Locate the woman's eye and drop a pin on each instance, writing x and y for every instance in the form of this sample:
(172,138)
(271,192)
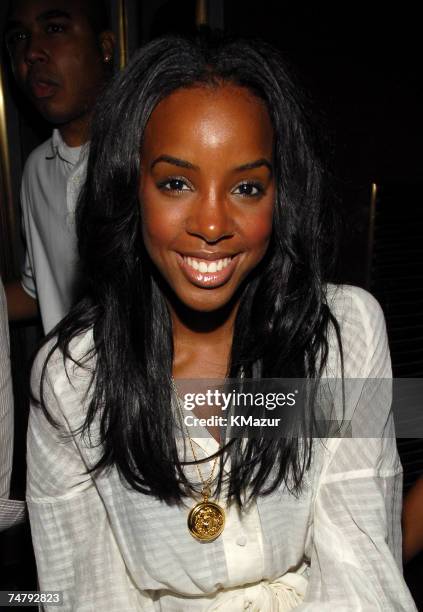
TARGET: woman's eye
(250,190)
(174,184)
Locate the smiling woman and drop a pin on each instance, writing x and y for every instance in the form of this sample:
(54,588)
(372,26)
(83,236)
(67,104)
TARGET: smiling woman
(203,227)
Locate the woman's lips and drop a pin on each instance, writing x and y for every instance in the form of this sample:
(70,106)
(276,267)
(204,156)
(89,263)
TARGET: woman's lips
(210,273)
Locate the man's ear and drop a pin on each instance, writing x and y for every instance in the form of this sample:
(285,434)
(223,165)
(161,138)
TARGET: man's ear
(107,44)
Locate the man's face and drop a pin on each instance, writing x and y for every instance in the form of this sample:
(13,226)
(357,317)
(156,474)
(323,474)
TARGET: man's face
(56,57)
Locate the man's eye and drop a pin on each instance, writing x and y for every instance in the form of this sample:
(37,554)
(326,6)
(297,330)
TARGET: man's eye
(174,184)
(14,37)
(250,190)
(55,28)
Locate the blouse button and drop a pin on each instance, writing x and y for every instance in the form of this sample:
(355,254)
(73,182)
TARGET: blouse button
(241,541)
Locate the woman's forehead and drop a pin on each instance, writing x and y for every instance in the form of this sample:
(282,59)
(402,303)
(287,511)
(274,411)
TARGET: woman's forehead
(211,115)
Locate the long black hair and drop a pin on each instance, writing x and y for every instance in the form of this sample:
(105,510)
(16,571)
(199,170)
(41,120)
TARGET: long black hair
(283,319)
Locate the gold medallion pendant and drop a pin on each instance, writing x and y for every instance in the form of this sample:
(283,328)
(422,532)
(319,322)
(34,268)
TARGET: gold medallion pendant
(206,520)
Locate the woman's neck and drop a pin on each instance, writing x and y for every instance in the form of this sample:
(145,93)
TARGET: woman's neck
(202,341)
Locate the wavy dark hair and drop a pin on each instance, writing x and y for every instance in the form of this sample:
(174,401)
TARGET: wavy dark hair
(283,320)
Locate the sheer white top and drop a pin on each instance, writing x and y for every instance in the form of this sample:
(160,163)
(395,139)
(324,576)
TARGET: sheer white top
(108,547)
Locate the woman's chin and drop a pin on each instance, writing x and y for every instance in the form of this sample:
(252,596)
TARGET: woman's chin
(207,303)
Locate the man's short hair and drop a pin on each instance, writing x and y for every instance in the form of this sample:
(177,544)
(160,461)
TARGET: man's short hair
(98,15)
(97,12)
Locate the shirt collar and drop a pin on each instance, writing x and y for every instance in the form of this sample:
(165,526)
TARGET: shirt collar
(61,149)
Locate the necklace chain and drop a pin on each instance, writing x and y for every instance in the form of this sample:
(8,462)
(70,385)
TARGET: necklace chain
(206,520)
(206,483)
(206,490)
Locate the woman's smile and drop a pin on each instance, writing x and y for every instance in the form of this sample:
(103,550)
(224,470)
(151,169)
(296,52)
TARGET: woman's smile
(208,270)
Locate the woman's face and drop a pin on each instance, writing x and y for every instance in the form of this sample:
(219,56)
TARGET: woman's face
(207,191)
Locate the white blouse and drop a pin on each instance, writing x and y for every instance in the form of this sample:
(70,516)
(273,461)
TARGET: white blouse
(108,547)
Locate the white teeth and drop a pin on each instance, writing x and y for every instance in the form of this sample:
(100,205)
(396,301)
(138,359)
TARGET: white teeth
(204,267)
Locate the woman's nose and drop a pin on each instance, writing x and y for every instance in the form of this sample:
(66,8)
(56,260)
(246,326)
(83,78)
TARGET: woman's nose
(211,218)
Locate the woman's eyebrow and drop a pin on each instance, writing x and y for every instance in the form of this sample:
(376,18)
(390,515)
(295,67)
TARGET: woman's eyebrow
(175,161)
(182,163)
(255,164)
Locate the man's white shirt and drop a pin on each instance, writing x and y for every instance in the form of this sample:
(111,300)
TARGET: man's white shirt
(51,182)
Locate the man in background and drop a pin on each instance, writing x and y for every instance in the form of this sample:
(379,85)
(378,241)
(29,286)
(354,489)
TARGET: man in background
(61,53)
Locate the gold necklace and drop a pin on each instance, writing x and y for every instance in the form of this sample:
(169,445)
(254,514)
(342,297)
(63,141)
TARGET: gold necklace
(206,520)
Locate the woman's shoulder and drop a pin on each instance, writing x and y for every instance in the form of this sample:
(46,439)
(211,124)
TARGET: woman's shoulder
(61,373)
(362,330)
(349,300)
(56,464)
